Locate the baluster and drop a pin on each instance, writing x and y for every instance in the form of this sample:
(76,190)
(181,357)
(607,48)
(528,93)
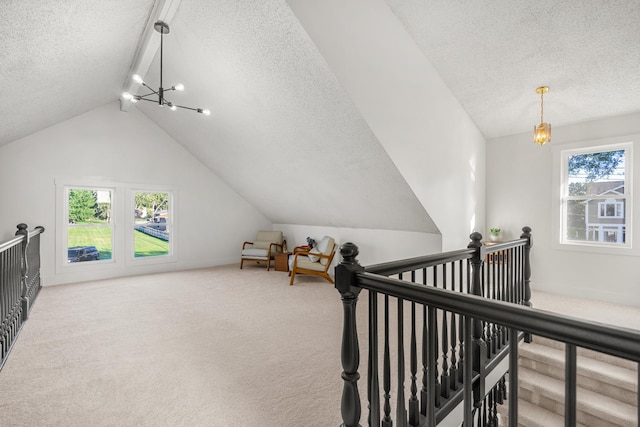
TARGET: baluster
(414,410)
(24,292)
(433,325)
(346,284)
(386,420)
(424,396)
(401,413)
(526,234)
(461,330)
(453,370)
(444,379)
(373,381)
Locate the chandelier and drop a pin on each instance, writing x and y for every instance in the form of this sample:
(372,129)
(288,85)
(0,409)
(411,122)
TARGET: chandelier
(542,132)
(158,96)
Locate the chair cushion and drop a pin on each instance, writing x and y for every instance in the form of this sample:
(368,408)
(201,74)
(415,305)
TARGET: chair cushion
(304,263)
(326,247)
(265,238)
(314,255)
(255,253)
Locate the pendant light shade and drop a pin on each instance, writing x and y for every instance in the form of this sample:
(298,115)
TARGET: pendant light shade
(542,132)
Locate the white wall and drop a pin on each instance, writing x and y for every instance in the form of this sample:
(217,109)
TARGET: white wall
(426,132)
(520,192)
(212,220)
(375,246)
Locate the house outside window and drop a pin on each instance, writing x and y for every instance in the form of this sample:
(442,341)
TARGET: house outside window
(595,196)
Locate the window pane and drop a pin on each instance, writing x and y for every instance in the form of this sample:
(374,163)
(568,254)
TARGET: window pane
(89,231)
(152,224)
(576,224)
(596,174)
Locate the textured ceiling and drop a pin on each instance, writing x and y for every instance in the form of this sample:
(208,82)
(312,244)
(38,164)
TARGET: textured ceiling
(284,133)
(494,53)
(59,59)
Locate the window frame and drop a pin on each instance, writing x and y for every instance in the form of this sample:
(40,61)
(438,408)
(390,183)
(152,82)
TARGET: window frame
(560,196)
(122,222)
(131,259)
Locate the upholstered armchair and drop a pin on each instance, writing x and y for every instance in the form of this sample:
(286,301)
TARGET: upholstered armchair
(316,261)
(263,248)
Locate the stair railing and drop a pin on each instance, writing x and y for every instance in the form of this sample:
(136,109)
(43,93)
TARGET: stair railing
(500,272)
(19,283)
(476,311)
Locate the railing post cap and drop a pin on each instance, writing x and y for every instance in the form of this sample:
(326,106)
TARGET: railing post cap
(526,229)
(349,251)
(476,240)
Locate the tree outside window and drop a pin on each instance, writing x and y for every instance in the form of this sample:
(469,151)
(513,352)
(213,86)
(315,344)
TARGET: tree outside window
(595,197)
(152,224)
(89,228)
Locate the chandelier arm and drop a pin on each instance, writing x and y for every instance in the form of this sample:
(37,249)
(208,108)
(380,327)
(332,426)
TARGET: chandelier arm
(150,88)
(187,108)
(146,99)
(144,96)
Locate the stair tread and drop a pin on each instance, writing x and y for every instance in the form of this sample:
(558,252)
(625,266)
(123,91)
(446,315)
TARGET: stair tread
(592,354)
(592,368)
(600,406)
(530,415)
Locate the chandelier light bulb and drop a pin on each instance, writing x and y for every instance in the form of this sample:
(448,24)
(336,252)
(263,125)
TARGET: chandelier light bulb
(136,78)
(127,96)
(172,107)
(206,112)
(135,99)
(179,87)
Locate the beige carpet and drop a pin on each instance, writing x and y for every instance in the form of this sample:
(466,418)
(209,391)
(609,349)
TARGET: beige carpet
(211,347)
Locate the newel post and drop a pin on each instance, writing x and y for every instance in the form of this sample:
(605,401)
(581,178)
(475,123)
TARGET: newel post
(346,284)
(478,344)
(22,231)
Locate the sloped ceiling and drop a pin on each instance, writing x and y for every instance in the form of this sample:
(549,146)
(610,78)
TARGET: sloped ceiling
(284,134)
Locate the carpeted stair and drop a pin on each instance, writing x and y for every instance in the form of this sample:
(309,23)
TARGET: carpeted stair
(606,394)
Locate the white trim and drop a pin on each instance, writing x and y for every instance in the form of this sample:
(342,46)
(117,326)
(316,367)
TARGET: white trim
(121,222)
(559,189)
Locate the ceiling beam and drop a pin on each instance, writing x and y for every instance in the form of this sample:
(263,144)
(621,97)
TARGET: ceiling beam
(163,10)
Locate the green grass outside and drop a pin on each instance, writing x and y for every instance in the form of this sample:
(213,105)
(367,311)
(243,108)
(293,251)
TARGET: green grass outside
(146,245)
(100,237)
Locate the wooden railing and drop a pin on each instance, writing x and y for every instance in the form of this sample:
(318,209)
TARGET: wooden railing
(19,283)
(470,309)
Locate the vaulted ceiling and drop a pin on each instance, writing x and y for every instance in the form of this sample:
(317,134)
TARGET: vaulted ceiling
(284,133)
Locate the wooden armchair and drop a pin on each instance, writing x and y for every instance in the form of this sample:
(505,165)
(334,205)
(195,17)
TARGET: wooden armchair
(263,248)
(315,262)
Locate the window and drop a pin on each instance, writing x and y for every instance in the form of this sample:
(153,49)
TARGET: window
(151,224)
(106,224)
(595,196)
(610,209)
(89,229)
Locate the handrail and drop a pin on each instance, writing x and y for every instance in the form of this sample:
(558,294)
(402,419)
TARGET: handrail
(621,342)
(400,266)
(11,243)
(496,247)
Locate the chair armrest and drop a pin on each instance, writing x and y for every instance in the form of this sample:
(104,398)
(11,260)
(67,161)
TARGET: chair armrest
(277,245)
(245,244)
(301,249)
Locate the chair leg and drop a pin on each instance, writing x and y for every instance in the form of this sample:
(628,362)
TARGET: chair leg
(241,262)
(293,275)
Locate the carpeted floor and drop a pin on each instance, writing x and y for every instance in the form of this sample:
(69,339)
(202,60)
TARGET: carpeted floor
(211,347)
